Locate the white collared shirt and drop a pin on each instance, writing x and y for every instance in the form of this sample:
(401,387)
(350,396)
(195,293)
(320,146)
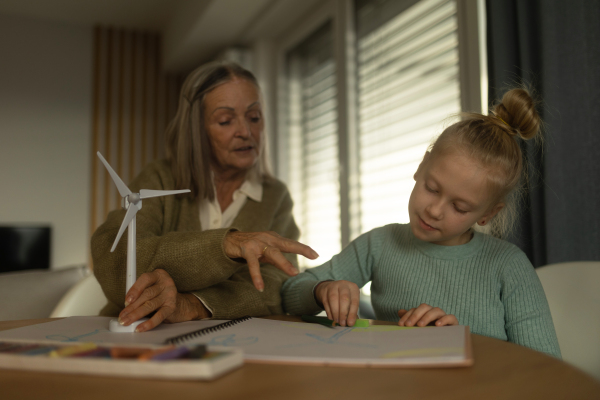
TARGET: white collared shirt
(211,216)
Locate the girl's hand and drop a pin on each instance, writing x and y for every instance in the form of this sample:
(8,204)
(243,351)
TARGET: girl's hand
(340,300)
(266,247)
(156,291)
(424,315)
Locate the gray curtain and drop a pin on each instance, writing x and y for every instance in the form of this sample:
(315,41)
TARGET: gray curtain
(553,46)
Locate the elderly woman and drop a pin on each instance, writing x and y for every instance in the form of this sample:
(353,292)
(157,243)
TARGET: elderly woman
(218,251)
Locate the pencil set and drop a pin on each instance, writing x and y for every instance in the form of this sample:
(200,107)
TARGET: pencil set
(166,362)
(93,350)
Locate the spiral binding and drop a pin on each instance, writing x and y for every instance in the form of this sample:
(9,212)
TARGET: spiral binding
(204,331)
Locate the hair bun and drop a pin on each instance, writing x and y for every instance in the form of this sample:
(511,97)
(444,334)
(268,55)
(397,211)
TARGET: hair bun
(517,109)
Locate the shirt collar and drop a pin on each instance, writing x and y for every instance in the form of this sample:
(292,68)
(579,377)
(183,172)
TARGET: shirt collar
(252,188)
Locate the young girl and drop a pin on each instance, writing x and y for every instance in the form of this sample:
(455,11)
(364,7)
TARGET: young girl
(438,267)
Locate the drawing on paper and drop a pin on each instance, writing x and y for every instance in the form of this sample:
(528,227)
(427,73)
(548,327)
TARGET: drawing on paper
(63,338)
(231,340)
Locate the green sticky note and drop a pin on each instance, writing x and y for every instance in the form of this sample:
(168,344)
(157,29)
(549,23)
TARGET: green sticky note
(361,323)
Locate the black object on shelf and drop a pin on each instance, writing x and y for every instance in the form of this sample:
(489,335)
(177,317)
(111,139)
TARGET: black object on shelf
(24,247)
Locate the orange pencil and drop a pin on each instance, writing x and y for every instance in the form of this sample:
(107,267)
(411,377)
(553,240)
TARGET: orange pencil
(151,353)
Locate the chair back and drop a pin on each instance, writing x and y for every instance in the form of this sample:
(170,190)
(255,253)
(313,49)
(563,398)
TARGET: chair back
(84,298)
(573,293)
(34,294)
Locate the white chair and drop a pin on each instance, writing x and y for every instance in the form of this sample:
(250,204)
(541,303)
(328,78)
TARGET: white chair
(34,293)
(573,292)
(84,298)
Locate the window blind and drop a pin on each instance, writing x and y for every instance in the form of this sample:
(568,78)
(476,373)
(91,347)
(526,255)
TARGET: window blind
(313,144)
(408,84)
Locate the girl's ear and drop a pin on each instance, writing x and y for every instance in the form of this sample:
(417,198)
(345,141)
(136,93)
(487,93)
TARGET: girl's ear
(487,217)
(425,157)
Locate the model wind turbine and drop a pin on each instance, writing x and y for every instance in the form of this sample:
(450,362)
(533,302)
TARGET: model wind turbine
(132,202)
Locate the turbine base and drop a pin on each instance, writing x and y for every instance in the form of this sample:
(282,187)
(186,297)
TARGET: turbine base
(114,326)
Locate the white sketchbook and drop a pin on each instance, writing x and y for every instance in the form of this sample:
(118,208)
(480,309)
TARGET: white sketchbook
(274,341)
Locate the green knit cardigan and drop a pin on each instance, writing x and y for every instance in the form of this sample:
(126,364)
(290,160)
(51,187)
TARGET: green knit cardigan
(169,237)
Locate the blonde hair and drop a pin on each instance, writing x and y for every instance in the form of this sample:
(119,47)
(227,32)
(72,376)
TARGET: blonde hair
(188,146)
(493,140)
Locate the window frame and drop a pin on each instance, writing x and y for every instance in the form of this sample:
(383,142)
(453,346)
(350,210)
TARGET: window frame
(472,81)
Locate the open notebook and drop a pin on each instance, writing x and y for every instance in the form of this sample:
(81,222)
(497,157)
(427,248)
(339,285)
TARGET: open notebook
(273,341)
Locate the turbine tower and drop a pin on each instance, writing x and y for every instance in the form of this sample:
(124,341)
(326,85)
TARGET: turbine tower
(132,202)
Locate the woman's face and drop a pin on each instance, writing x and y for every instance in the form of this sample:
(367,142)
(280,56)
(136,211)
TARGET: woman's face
(234,122)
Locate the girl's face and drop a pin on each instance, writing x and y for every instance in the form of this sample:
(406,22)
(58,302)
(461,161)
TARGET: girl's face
(451,194)
(234,121)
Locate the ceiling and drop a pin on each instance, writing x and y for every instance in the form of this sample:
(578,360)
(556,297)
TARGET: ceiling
(193,31)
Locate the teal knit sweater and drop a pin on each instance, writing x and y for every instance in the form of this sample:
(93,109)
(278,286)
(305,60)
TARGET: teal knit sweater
(487,283)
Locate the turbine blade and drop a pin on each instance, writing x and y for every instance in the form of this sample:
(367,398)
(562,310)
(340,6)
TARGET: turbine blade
(146,193)
(121,186)
(131,211)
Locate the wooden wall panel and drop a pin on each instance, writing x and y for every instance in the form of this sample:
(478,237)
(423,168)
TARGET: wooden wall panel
(133,101)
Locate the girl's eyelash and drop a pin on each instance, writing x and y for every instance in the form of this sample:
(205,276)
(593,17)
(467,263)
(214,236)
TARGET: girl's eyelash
(459,210)
(456,208)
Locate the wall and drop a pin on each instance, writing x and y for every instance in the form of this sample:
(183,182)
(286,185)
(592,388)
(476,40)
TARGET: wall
(45,125)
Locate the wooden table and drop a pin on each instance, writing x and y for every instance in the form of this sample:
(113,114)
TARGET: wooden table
(502,371)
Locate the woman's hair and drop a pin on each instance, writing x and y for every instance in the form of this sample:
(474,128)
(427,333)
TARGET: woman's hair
(493,141)
(188,146)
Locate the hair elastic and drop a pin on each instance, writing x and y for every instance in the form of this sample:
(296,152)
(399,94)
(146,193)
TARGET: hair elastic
(506,123)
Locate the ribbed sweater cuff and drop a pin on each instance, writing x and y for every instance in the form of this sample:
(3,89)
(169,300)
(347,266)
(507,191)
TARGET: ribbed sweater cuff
(301,300)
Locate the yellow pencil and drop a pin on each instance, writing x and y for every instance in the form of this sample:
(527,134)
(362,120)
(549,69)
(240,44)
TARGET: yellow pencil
(70,350)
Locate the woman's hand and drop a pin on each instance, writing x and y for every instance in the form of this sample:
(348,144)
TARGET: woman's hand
(266,247)
(156,291)
(340,300)
(424,315)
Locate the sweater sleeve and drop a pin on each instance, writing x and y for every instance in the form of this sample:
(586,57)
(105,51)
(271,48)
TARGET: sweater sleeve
(237,296)
(354,264)
(528,321)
